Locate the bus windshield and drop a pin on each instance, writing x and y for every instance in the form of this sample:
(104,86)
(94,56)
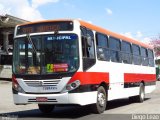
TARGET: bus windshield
(46,54)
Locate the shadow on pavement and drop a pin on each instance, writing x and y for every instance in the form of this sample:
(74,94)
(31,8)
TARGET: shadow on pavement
(59,112)
(120,102)
(68,112)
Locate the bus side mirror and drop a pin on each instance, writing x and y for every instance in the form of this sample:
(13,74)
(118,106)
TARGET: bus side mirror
(89,40)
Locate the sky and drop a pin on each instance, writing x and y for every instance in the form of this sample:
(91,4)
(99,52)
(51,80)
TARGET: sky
(137,19)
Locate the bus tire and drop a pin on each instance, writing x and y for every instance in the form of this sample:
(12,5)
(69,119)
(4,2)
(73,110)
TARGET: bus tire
(139,98)
(100,106)
(46,108)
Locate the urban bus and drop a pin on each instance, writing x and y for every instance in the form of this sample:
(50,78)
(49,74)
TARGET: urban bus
(61,62)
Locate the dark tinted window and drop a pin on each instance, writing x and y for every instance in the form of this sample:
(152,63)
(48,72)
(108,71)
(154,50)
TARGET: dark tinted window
(114,43)
(136,49)
(126,47)
(136,54)
(114,46)
(150,54)
(151,58)
(144,55)
(126,52)
(88,48)
(143,52)
(88,51)
(101,40)
(102,47)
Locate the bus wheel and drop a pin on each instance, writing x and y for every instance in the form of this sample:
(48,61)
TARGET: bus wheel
(139,98)
(100,105)
(46,108)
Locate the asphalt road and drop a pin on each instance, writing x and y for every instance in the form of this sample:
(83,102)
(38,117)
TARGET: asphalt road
(116,110)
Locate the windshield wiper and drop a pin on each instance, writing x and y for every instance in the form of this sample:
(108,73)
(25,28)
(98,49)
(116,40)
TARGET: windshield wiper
(31,42)
(36,58)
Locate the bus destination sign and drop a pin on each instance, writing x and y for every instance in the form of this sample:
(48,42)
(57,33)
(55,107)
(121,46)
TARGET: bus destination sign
(45,27)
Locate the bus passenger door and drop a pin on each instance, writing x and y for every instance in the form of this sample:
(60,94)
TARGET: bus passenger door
(88,48)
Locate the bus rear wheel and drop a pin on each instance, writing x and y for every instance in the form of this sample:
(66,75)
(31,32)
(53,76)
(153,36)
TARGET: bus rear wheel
(46,108)
(139,98)
(100,105)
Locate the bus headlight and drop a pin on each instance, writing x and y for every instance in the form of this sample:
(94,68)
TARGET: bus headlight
(16,86)
(73,85)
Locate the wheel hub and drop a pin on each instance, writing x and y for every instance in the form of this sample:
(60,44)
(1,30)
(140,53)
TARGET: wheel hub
(101,99)
(142,94)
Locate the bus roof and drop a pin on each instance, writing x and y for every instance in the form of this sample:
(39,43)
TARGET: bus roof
(98,29)
(119,36)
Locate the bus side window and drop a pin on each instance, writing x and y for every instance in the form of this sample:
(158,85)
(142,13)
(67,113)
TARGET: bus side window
(126,52)
(88,49)
(102,47)
(136,54)
(151,58)
(144,56)
(85,51)
(114,46)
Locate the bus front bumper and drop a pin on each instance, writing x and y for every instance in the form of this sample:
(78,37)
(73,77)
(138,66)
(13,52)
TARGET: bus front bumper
(62,98)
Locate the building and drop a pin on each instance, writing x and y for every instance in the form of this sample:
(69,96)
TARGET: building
(7,25)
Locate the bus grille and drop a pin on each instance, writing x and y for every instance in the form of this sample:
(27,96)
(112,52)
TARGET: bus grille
(36,83)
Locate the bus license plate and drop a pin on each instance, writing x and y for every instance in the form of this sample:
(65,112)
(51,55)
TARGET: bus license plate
(41,99)
(49,88)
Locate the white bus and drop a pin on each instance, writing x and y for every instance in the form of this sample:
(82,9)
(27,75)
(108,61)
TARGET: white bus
(59,62)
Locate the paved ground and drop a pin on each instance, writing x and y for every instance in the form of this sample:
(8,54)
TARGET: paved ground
(118,109)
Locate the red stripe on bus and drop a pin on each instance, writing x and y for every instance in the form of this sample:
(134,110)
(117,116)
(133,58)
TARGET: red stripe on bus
(134,77)
(90,77)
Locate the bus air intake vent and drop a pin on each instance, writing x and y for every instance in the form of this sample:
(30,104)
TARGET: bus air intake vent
(36,83)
